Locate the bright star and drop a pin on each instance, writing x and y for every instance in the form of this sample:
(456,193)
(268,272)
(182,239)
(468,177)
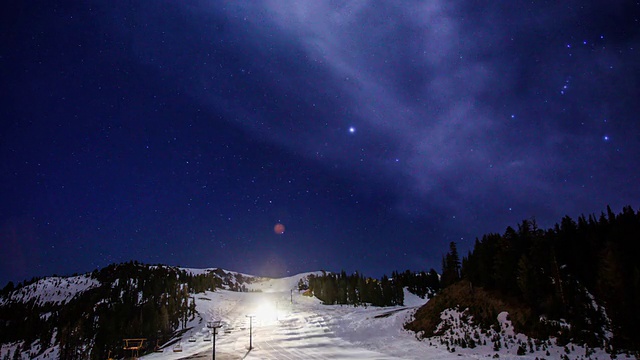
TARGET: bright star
(352,129)
(606,138)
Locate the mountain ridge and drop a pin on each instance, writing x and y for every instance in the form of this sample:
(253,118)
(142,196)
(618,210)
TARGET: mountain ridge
(123,286)
(121,300)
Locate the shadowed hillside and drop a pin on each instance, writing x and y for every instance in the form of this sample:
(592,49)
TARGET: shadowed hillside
(577,282)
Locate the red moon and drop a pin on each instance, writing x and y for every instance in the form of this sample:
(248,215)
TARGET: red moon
(278,229)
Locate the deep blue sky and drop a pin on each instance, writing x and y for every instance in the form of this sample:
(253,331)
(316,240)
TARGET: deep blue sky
(377,132)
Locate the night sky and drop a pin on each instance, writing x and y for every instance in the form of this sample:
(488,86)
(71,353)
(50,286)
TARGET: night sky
(181,132)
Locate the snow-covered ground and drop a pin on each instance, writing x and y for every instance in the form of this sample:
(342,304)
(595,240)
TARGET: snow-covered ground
(54,289)
(288,325)
(306,329)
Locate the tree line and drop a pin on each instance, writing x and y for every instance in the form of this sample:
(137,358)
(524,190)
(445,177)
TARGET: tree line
(586,272)
(356,289)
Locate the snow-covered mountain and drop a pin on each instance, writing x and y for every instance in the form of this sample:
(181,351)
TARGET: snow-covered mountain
(88,315)
(55,290)
(72,317)
(59,290)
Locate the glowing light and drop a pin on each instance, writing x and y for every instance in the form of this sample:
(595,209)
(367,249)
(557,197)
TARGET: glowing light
(352,130)
(265,313)
(278,229)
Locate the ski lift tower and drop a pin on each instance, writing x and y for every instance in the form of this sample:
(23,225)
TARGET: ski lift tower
(251,316)
(214,326)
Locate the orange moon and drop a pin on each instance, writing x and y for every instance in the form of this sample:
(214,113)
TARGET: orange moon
(278,229)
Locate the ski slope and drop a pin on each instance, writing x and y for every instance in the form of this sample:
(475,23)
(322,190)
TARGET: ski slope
(288,325)
(306,329)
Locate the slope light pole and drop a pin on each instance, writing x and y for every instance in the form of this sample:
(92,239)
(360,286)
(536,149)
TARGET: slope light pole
(214,326)
(251,331)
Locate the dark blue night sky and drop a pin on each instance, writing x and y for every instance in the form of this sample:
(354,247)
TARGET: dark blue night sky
(377,132)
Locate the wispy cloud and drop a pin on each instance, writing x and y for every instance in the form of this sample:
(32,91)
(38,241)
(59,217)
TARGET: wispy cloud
(448,101)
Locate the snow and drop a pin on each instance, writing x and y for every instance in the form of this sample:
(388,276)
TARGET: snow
(48,354)
(285,284)
(281,330)
(306,329)
(412,300)
(59,290)
(195,272)
(457,325)
(505,324)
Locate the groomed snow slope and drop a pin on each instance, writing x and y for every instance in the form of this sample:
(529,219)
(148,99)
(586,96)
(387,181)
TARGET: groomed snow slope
(306,329)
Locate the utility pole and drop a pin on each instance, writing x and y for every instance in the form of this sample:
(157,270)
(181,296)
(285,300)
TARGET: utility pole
(251,331)
(214,326)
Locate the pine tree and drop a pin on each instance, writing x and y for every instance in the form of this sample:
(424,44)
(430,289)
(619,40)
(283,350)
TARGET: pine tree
(450,266)
(165,325)
(527,280)
(192,308)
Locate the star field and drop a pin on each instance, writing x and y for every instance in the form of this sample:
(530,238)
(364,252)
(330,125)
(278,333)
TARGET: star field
(375,132)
